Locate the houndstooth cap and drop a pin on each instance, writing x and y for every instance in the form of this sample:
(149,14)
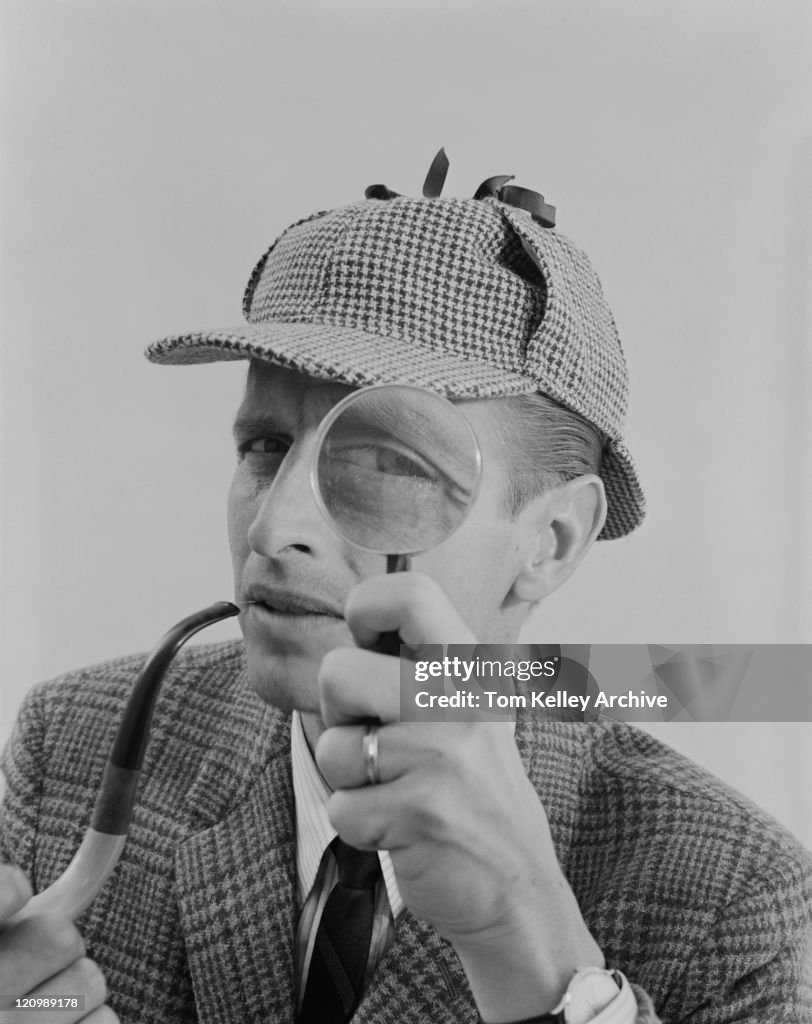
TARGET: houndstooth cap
(471,298)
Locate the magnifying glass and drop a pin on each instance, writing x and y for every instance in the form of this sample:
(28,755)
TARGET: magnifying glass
(395,472)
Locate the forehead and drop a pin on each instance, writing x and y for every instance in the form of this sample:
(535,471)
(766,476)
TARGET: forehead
(288,393)
(276,389)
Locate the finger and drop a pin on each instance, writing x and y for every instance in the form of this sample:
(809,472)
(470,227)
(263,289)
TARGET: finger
(355,684)
(15,891)
(104,1015)
(82,978)
(409,602)
(33,951)
(384,817)
(401,748)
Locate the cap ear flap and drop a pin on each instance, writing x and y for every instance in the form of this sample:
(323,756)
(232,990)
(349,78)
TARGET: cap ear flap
(576,353)
(564,361)
(519,224)
(624,493)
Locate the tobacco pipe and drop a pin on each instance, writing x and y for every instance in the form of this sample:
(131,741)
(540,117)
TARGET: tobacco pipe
(93,863)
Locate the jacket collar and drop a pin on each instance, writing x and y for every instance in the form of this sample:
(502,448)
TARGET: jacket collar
(245,733)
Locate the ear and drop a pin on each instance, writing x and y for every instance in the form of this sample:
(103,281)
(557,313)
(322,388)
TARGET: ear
(558,527)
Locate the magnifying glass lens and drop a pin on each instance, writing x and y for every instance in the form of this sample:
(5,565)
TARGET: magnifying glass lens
(397,469)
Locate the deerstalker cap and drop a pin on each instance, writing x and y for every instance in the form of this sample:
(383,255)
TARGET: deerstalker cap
(471,298)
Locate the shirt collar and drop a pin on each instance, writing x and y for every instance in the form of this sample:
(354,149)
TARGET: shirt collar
(314,833)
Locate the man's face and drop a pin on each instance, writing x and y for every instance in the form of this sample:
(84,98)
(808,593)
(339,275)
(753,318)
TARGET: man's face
(288,557)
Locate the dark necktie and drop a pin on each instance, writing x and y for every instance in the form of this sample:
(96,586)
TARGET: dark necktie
(338,964)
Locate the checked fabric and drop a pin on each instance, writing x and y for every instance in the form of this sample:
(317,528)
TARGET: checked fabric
(336,976)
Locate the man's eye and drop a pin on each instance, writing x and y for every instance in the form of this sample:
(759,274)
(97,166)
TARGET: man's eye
(386,461)
(389,460)
(262,446)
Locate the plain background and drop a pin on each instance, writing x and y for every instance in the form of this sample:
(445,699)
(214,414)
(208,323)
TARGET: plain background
(152,150)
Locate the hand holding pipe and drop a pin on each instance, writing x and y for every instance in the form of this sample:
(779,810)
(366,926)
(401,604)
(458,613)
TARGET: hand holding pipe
(93,863)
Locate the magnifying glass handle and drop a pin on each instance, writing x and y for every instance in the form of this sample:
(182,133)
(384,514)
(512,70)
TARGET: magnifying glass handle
(389,643)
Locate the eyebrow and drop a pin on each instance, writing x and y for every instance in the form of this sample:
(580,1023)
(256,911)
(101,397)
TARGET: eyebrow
(247,425)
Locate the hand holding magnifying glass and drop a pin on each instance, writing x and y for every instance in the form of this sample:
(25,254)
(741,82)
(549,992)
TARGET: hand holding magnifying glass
(396,470)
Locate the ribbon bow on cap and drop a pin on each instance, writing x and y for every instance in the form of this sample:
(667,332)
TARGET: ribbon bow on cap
(497,186)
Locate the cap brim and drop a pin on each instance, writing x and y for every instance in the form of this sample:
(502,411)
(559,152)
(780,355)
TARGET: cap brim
(358,358)
(346,355)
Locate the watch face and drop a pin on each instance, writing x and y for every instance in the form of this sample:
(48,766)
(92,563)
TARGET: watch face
(590,991)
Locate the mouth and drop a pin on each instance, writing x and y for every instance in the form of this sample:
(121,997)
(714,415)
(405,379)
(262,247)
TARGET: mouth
(288,602)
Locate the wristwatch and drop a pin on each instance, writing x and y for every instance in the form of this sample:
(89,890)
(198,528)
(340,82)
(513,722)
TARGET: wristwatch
(589,992)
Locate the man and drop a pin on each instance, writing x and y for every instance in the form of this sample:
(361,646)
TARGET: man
(570,872)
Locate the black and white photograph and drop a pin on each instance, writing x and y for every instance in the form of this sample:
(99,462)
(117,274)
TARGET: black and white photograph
(405,512)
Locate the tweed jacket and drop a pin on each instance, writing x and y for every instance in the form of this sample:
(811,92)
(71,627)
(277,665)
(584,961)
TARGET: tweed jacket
(700,898)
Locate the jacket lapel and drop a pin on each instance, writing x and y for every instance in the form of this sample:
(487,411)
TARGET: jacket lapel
(419,979)
(235,874)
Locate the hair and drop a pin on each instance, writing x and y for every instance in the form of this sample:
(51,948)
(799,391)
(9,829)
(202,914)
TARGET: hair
(545,446)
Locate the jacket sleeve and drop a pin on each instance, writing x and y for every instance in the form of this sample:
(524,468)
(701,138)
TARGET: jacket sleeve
(755,963)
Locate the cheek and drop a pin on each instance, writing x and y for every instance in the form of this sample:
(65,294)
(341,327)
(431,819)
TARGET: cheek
(242,505)
(475,568)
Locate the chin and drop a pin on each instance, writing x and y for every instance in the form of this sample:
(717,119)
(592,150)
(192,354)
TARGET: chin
(286,682)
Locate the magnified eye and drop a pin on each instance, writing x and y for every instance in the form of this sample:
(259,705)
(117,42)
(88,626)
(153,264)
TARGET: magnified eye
(396,468)
(399,463)
(391,461)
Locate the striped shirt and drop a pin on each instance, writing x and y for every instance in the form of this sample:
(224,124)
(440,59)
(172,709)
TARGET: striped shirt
(317,872)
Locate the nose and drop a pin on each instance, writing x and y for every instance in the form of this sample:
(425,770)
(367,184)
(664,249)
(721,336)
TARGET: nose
(288,518)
